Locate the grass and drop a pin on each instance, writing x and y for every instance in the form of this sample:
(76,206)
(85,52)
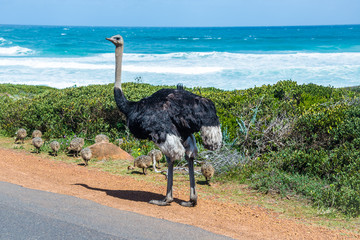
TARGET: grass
(294,207)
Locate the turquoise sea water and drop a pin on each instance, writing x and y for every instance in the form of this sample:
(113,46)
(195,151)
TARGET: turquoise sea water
(226,58)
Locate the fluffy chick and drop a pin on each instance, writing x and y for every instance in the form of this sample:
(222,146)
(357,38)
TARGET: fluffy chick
(208,171)
(143,162)
(20,135)
(86,155)
(36,133)
(37,142)
(156,156)
(76,145)
(55,146)
(101,138)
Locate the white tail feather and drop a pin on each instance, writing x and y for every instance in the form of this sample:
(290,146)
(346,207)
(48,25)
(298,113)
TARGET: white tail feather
(211,136)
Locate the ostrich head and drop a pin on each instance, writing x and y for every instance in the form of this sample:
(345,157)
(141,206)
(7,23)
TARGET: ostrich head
(117,40)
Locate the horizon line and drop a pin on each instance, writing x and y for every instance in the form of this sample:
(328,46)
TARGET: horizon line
(254,26)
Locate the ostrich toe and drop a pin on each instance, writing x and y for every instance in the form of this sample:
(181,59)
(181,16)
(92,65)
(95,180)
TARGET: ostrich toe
(191,203)
(164,202)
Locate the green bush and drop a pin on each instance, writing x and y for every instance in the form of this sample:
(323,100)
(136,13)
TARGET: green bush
(342,194)
(296,139)
(17,91)
(323,148)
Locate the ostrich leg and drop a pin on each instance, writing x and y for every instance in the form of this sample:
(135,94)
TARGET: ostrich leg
(190,154)
(193,193)
(169,192)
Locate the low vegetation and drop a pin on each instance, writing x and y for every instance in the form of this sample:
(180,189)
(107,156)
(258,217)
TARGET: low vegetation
(294,140)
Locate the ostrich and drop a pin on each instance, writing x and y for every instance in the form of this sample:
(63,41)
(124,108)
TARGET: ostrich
(119,141)
(156,156)
(36,133)
(86,155)
(75,145)
(208,171)
(37,142)
(101,138)
(143,162)
(20,135)
(169,117)
(55,146)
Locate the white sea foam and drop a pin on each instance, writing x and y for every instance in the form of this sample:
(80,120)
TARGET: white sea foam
(166,57)
(173,70)
(206,37)
(216,69)
(65,63)
(15,51)
(52,63)
(4,42)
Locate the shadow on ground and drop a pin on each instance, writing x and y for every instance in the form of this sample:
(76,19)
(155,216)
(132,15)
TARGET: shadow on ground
(137,196)
(200,182)
(137,172)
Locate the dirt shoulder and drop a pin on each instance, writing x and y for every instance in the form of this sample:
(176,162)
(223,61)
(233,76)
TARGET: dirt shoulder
(126,193)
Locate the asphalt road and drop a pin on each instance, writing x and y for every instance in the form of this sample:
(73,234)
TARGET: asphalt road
(34,214)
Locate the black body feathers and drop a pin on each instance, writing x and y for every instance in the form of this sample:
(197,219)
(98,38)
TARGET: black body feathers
(167,111)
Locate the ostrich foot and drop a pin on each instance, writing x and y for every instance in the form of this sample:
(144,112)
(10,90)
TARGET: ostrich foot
(191,203)
(164,202)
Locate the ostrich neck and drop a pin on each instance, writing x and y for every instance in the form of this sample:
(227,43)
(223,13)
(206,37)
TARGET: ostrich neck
(118,60)
(121,101)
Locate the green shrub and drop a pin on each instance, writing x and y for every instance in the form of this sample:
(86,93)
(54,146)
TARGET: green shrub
(285,138)
(17,91)
(342,194)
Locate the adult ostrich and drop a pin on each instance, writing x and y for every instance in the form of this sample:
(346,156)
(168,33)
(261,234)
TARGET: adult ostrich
(169,117)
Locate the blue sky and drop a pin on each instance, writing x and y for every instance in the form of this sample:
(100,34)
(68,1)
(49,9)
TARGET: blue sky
(175,13)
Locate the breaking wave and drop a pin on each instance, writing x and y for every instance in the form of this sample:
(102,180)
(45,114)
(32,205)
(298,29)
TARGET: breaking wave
(15,51)
(209,69)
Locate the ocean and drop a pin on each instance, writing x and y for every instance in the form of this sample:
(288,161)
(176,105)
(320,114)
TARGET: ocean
(222,57)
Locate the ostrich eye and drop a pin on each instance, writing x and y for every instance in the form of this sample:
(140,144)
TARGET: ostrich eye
(117,38)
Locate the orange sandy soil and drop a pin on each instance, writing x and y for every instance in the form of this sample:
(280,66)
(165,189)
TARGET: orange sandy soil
(241,221)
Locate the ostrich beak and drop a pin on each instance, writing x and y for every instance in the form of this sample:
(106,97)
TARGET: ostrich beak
(116,40)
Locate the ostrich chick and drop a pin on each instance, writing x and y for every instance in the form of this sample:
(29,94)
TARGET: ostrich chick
(86,155)
(36,133)
(76,145)
(20,135)
(55,146)
(156,156)
(143,162)
(37,142)
(208,171)
(119,141)
(101,138)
